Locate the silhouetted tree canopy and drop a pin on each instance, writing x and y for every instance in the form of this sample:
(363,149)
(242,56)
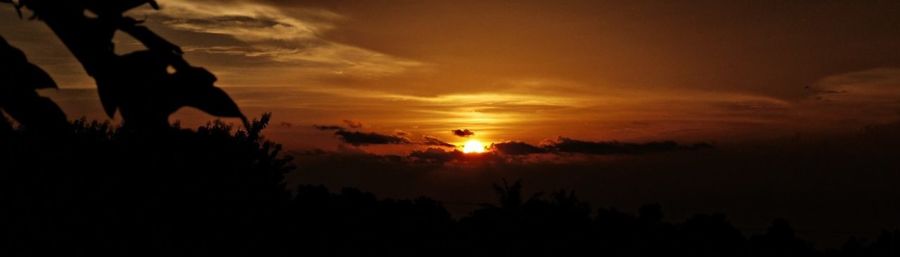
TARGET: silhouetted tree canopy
(218,191)
(19,80)
(123,192)
(145,86)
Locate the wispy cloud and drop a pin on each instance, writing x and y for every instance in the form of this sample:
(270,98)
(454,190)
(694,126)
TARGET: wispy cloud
(328,127)
(268,32)
(433,141)
(358,138)
(517,148)
(858,98)
(876,86)
(353,124)
(352,136)
(564,145)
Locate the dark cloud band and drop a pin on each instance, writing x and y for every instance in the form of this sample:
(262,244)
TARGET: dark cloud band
(463,132)
(565,145)
(433,141)
(357,138)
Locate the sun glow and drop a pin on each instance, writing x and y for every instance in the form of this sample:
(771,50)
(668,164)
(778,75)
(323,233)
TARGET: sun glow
(473,146)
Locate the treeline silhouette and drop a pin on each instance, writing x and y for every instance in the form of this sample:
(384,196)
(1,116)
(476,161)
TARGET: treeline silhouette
(100,189)
(215,190)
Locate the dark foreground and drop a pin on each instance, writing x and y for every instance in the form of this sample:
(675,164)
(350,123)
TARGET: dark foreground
(97,190)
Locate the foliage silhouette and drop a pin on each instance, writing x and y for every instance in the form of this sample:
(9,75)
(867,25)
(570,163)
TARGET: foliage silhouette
(145,86)
(18,81)
(102,190)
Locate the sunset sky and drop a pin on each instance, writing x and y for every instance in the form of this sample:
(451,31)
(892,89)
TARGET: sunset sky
(779,108)
(528,70)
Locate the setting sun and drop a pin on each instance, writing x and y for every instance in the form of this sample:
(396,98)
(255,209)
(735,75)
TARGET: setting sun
(473,146)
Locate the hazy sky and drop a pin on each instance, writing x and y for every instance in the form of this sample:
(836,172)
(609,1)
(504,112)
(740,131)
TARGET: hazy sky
(352,82)
(532,70)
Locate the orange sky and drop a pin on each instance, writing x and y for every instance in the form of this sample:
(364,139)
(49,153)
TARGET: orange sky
(781,90)
(528,70)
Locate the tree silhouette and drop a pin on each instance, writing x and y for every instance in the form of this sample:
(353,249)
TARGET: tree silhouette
(217,190)
(101,189)
(18,81)
(145,86)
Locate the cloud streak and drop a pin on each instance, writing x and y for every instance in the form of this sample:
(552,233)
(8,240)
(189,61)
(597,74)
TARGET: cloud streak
(517,148)
(565,145)
(353,124)
(358,138)
(435,156)
(568,145)
(864,97)
(463,132)
(433,141)
(267,32)
(328,127)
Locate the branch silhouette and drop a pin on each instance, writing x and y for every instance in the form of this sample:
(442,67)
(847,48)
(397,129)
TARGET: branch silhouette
(18,81)
(145,86)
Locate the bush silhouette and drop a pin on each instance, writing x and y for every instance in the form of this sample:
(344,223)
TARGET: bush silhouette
(218,191)
(99,187)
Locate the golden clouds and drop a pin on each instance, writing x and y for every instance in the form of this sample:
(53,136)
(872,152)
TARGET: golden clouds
(263,31)
(534,70)
(855,98)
